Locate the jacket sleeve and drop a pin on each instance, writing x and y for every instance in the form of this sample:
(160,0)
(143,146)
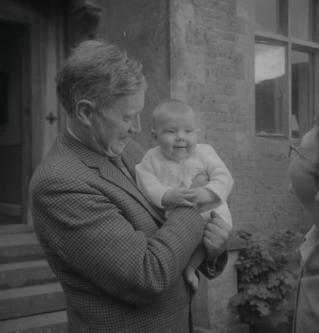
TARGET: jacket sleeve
(86,233)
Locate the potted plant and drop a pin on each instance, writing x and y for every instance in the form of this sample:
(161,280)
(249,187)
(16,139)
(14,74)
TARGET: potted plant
(267,278)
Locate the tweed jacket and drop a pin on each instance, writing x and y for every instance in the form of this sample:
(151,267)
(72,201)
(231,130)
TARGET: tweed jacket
(119,265)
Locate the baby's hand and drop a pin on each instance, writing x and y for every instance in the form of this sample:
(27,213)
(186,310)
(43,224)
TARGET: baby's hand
(179,197)
(203,195)
(200,180)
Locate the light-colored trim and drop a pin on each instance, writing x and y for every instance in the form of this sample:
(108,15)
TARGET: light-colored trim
(271,36)
(304,45)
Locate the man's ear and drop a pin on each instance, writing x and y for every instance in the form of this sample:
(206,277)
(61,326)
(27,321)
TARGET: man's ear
(84,111)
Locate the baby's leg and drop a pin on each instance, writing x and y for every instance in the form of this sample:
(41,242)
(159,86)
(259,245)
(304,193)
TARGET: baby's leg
(190,271)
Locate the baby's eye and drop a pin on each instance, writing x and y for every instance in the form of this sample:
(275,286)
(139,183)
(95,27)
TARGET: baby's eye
(189,130)
(170,131)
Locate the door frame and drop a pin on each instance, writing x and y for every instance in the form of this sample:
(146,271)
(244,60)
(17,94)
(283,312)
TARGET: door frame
(25,64)
(36,94)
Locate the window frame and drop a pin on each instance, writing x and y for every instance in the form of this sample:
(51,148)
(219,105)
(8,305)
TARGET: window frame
(295,44)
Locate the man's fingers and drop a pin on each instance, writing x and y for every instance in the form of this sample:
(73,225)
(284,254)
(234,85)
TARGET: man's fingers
(214,246)
(217,229)
(213,242)
(220,223)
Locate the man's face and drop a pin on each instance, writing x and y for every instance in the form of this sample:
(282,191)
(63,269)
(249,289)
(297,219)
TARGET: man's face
(113,127)
(176,134)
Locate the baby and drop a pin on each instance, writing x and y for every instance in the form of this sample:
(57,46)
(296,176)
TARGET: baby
(181,172)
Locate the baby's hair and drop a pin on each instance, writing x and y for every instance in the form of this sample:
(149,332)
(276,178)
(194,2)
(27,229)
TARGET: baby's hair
(169,106)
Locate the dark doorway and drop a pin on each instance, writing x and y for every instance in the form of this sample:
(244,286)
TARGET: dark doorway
(14,124)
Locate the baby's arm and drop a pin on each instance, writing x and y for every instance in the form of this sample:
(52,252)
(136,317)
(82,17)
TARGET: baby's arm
(205,207)
(220,180)
(204,195)
(180,196)
(149,183)
(161,195)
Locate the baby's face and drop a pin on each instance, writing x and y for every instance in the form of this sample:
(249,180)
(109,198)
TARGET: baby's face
(176,134)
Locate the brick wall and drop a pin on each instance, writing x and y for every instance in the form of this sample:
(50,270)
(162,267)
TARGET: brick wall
(212,67)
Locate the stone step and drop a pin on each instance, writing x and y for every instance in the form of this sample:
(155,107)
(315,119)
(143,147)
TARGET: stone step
(19,247)
(55,322)
(27,301)
(21,274)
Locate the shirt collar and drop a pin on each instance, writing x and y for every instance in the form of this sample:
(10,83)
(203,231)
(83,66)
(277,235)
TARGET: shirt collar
(72,134)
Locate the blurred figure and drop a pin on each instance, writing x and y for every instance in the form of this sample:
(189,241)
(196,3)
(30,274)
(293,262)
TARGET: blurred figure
(304,177)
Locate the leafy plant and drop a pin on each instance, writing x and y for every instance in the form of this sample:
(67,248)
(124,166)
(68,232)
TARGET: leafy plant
(266,278)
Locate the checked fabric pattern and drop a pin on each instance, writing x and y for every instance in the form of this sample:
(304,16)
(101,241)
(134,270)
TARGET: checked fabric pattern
(119,265)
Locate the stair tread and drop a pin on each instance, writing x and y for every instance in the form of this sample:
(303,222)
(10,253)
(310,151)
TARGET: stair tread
(30,291)
(18,239)
(33,321)
(23,264)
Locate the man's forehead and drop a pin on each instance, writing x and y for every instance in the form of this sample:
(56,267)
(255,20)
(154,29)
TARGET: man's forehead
(131,102)
(126,105)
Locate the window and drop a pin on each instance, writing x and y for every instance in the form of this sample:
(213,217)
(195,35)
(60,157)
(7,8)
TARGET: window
(270,16)
(270,87)
(286,62)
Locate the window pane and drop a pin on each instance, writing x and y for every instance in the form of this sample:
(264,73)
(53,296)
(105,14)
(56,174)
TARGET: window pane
(301,19)
(301,117)
(270,89)
(269,15)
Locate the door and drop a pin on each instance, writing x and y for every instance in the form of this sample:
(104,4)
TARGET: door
(14,122)
(32,48)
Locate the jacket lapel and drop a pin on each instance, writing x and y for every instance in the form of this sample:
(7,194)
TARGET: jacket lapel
(109,172)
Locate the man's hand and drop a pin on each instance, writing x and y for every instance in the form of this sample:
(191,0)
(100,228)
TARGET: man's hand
(216,234)
(179,197)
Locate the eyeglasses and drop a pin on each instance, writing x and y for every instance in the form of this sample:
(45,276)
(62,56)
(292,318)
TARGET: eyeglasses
(294,150)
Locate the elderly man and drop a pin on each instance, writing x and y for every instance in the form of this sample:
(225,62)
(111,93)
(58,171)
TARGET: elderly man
(119,263)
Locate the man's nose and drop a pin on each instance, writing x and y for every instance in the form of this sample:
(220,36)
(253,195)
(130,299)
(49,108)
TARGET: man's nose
(136,125)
